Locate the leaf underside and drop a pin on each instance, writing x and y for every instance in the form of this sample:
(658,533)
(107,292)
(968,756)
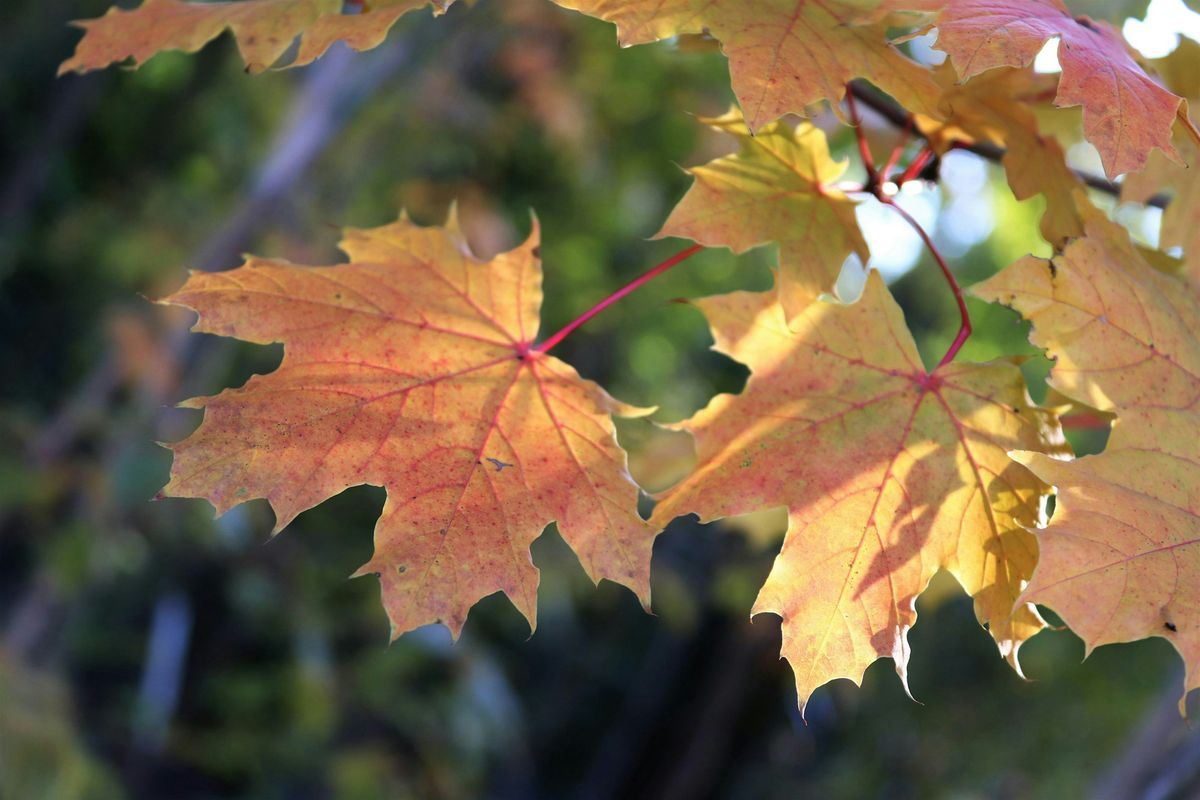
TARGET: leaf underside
(411,367)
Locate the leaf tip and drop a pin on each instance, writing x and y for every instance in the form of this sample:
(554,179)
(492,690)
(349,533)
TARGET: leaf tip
(901,659)
(1009,652)
(364,571)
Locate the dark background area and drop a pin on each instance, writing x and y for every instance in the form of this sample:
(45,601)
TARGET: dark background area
(148,650)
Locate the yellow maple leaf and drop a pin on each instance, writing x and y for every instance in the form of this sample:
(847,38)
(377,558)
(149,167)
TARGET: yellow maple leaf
(784,55)
(1121,556)
(264,29)
(777,188)
(888,474)
(410,368)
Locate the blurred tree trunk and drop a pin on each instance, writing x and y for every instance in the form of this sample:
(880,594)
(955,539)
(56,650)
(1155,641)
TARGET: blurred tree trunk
(1162,761)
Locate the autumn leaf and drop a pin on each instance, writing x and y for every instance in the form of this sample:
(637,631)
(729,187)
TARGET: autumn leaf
(888,474)
(996,107)
(1125,113)
(264,29)
(1181,219)
(1121,556)
(410,368)
(778,188)
(784,55)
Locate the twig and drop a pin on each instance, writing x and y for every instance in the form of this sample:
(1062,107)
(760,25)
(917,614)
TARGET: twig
(882,105)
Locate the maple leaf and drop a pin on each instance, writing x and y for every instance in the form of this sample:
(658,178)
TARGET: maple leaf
(1120,559)
(778,188)
(1125,113)
(410,368)
(995,107)
(784,55)
(264,29)
(1181,219)
(888,474)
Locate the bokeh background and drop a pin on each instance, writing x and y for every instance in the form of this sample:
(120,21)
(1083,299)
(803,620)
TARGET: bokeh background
(148,650)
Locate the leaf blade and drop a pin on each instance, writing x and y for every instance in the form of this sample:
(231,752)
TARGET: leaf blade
(404,369)
(888,473)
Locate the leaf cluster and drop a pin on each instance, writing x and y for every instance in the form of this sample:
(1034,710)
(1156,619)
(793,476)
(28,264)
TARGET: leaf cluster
(418,366)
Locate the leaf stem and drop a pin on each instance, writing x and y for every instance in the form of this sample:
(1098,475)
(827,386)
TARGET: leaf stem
(875,186)
(566,331)
(915,166)
(1085,421)
(860,136)
(964,329)
(897,151)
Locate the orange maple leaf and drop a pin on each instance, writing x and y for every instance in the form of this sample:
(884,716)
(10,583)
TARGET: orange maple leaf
(888,474)
(1121,556)
(264,29)
(784,55)
(411,368)
(778,188)
(1125,113)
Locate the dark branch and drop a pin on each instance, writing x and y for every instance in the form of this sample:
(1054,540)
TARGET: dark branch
(887,108)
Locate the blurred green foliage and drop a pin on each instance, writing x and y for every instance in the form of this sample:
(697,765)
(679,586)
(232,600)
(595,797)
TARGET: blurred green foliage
(150,651)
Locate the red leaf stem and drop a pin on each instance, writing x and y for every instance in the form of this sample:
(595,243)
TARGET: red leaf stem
(1085,421)
(897,151)
(860,136)
(874,185)
(914,168)
(964,330)
(681,256)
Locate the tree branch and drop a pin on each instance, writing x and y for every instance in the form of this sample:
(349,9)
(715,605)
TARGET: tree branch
(887,108)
